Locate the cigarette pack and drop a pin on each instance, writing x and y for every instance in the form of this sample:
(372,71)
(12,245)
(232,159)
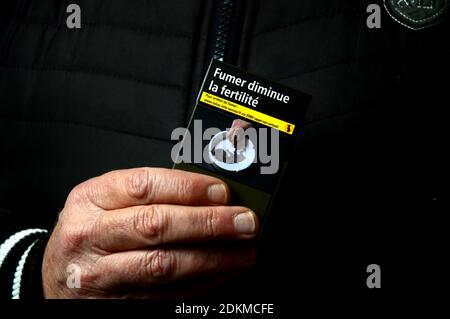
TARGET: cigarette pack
(242,130)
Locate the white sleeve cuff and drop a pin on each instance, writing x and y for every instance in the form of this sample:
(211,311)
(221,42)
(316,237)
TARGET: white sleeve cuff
(8,246)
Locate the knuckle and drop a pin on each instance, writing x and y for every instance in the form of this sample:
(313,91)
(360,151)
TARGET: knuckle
(96,229)
(150,223)
(186,188)
(159,263)
(73,237)
(138,184)
(83,194)
(209,223)
(77,195)
(90,277)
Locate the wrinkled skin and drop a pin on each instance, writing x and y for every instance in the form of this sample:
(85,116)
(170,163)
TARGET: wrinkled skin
(141,233)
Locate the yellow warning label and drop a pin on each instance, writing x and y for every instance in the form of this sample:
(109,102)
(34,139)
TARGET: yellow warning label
(246,112)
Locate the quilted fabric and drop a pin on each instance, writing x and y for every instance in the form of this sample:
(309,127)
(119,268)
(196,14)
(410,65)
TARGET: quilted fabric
(78,103)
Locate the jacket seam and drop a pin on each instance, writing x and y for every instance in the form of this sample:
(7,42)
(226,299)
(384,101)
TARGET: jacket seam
(334,13)
(91,71)
(124,27)
(80,124)
(329,66)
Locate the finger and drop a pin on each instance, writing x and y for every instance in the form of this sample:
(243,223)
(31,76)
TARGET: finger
(146,268)
(143,226)
(231,133)
(142,186)
(241,124)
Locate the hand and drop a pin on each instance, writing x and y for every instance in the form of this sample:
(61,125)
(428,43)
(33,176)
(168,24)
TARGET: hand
(236,133)
(127,232)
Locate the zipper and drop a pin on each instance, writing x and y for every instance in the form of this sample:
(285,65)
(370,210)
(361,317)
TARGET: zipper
(226,30)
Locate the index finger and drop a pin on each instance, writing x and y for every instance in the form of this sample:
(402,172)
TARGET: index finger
(144,186)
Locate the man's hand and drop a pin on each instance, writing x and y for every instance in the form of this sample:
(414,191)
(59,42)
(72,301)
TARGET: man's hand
(126,230)
(235,126)
(236,133)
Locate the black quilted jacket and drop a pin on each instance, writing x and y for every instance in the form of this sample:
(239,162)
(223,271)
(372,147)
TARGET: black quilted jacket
(364,183)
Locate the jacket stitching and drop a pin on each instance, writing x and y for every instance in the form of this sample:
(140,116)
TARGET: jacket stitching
(7,117)
(332,14)
(92,71)
(125,27)
(328,66)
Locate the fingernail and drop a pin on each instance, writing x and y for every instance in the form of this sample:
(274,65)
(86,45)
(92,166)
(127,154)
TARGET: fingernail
(217,193)
(244,223)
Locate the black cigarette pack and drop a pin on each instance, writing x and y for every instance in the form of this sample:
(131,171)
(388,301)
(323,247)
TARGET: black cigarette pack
(242,130)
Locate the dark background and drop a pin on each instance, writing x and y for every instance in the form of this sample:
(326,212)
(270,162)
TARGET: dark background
(367,186)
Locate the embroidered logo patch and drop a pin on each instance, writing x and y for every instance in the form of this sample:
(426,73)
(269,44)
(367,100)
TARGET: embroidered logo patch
(417,14)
